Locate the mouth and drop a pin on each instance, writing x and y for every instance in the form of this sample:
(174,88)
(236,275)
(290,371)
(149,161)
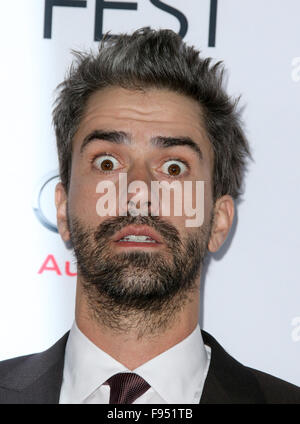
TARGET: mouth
(137,236)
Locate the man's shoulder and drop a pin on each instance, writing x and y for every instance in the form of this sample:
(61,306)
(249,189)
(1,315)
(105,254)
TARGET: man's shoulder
(33,378)
(275,389)
(229,381)
(9,367)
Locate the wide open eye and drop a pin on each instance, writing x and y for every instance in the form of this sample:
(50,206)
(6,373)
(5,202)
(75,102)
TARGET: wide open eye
(106,163)
(174,168)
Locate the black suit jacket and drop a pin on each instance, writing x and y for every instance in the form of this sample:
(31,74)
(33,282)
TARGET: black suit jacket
(37,379)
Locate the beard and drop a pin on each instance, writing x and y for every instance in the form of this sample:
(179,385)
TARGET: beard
(137,289)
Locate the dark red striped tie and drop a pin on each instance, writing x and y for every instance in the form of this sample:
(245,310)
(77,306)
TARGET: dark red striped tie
(126,387)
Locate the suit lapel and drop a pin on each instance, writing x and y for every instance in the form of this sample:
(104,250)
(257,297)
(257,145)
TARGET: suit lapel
(228,381)
(41,380)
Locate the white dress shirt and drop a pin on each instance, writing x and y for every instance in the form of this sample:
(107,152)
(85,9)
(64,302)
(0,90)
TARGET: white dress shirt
(175,376)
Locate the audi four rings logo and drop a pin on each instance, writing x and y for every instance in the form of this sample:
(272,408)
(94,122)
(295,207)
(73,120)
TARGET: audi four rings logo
(38,204)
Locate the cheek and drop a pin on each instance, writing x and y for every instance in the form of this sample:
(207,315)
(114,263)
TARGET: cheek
(197,202)
(188,206)
(82,200)
(208,201)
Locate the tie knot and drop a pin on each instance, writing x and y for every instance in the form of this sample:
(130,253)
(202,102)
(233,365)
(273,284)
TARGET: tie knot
(126,387)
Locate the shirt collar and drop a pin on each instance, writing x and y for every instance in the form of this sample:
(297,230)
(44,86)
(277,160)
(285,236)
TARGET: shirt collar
(182,370)
(87,367)
(175,378)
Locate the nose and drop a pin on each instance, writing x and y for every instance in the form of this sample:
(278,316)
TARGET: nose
(139,190)
(139,206)
(135,193)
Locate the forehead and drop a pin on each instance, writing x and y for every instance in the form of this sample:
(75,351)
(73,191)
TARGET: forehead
(144,114)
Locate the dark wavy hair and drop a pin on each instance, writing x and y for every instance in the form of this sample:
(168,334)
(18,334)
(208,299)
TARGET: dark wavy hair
(155,59)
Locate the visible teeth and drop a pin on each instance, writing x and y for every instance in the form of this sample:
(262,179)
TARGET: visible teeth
(139,239)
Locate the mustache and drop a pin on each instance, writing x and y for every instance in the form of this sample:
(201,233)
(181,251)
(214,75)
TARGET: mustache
(111,226)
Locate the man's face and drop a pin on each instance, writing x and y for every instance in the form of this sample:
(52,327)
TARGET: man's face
(142,134)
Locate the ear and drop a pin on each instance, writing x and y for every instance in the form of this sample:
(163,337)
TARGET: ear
(61,212)
(223,218)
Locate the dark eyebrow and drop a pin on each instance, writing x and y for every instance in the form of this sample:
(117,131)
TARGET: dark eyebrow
(117,137)
(177,141)
(121,137)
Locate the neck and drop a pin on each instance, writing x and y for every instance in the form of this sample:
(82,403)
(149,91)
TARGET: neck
(134,337)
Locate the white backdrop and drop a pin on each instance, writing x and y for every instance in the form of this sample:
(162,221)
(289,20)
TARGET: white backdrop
(251,296)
